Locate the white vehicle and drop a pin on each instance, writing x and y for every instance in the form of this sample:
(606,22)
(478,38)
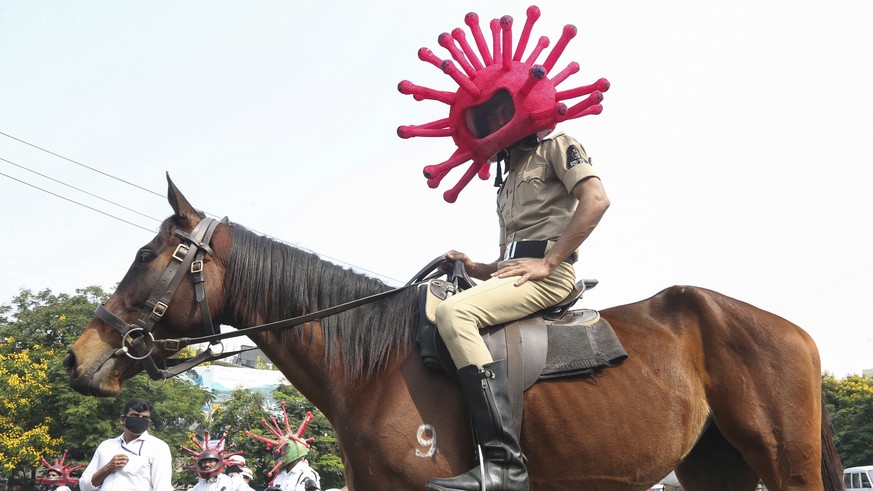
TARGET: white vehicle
(858,478)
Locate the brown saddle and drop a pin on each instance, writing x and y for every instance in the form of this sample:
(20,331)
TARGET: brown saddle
(555,342)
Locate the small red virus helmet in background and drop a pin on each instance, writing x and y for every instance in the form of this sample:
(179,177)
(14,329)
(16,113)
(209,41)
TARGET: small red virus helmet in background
(209,450)
(499,82)
(62,470)
(288,445)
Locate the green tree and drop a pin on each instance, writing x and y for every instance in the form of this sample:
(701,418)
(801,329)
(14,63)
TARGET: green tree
(850,403)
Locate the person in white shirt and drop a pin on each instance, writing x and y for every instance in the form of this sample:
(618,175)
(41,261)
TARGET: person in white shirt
(133,461)
(236,469)
(247,476)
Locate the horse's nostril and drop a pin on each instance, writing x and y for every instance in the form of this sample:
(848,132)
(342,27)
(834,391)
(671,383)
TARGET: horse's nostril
(70,361)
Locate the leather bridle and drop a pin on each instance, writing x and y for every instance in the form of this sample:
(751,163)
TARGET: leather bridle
(137,341)
(188,256)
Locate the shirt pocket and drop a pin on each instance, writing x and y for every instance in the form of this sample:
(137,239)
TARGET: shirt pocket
(531,185)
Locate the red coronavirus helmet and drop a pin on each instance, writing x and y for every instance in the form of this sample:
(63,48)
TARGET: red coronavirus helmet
(288,446)
(61,472)
(501,97)
(207,451)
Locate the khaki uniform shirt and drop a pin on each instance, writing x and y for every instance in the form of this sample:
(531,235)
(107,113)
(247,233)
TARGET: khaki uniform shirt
(535,202)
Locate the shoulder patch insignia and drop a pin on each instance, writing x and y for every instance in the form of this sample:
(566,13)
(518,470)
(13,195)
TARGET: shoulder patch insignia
(574,156)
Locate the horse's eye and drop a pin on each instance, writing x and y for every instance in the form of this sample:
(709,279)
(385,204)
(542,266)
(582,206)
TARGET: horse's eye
(145,256)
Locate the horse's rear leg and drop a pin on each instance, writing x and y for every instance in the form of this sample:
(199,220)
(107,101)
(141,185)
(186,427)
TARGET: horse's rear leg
(764,390)
(714,465)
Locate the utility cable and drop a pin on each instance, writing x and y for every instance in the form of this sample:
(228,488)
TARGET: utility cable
(81,164)
(77,203)
(81,190)
(372,273)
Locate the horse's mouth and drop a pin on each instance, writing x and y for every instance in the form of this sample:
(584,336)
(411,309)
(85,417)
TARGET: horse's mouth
(101,381)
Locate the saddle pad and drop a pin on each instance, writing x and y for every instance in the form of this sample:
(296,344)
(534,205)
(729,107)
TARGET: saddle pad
(579,343)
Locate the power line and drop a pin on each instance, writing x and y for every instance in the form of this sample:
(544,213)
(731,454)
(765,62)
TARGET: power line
(80,164)
(77,203)
(81,190)
(372,273)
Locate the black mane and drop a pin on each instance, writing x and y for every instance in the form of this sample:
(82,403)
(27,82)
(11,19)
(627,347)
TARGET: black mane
(278,281)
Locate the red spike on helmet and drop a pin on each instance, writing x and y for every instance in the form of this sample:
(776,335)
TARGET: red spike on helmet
(499,79)
(64,470)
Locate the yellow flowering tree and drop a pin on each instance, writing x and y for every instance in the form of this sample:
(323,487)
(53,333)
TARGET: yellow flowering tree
(44,416)
(23,437)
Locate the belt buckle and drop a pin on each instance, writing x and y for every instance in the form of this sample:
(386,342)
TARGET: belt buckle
(510,251)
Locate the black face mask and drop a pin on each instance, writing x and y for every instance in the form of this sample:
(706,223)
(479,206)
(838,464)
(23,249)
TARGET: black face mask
(136,425)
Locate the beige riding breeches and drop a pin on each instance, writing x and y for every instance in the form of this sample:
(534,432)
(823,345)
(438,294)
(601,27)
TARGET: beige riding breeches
(494,302)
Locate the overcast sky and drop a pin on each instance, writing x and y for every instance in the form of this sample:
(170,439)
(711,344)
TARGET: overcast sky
(734,142)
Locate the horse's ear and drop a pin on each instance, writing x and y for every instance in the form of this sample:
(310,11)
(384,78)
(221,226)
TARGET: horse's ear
(183,209)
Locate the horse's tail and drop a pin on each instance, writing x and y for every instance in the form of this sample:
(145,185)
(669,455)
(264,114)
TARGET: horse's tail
(831,466)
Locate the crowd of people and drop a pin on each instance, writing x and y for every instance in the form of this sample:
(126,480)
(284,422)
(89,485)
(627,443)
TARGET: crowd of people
(138,461)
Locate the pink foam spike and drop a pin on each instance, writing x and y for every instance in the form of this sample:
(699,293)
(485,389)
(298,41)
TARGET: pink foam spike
(420,93)
(495,39)
(447,41)
(506,28)
(425,54)
(452,194)
(536,73)
(594,98)
(441,169)
(463,81)
(572,68)
(413,131)
(533,13)
(432,129)
(568,33)
(436,174)
(542,44)
(595,109)
(485,171)
(601,85)
(287,421)
(275,468)
(275,428)
(305,424)
(472,21)
(461,38)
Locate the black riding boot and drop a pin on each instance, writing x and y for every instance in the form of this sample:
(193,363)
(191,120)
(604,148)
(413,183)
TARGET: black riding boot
(487,394)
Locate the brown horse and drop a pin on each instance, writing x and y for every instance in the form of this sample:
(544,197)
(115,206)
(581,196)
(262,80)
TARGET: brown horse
(720,391)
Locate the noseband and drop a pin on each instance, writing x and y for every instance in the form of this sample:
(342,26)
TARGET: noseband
(136,337)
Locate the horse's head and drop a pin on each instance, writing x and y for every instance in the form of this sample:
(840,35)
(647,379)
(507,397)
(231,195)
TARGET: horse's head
(169,290)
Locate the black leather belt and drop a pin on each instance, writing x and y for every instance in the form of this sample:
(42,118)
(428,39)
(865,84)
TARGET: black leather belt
(530,248)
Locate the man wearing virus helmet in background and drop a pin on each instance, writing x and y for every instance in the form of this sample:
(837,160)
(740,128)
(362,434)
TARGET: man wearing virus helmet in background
(57,475)
(290,449)
(210,463)
(295,473)
(548,202)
